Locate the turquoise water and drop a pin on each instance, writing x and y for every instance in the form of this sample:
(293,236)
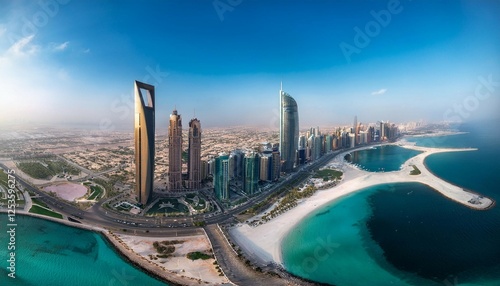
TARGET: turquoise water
(333,245)
(48,253)
(407,233)
(385,158)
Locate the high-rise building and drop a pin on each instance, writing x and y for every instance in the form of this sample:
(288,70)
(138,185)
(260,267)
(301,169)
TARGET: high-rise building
(276,165)
(144,137)
(221,177)
(289,130)
(194,155)
(265,167)
(318,145)
(251,170)
(382,131)
(328,143)
(355,130)
(175,152)
(302,141)
(236,164)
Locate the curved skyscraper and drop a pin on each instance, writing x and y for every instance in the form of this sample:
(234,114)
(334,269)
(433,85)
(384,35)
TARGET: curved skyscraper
(289,130)
(144,137)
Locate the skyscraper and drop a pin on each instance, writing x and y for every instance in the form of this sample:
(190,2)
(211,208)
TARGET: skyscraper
(194,155)
(251,173)
(289,130)
(276,165)
(175,152)
(265,167)
(221,177)
(144,137)
(355,130)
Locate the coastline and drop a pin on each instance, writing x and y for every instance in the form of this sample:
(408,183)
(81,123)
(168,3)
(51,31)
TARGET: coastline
(124,252)
(264,241)
(493,202)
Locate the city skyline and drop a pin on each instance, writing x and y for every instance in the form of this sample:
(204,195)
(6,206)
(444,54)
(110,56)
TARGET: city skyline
(385,131)
(411,73)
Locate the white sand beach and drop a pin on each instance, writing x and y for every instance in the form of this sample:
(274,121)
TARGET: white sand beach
(179,265)
(264,241)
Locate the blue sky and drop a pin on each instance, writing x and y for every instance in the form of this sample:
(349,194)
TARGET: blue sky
(74,62)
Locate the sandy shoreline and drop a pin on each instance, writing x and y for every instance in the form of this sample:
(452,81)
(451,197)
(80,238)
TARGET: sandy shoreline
(264,241)
(129,253)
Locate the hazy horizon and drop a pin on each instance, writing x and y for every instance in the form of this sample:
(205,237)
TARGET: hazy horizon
(75,63)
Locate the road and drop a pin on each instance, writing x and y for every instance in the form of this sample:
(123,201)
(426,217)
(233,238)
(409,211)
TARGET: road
(232,266)
(99,216)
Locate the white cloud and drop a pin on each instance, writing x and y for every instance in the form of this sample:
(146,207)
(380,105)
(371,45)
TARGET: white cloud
(379,92)
(60,47)
(22,47)
(2,30)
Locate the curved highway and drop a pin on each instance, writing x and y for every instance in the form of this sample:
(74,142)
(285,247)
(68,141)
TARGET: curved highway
(97,215)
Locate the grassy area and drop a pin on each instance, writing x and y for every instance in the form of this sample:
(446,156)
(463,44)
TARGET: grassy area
(107,185)
(198,255)
(58,166)
(96,192)
(415,171)
(269,200)
(328,174)
(3,178)
(39,202)
(39,210)
(35,170)
(45,169)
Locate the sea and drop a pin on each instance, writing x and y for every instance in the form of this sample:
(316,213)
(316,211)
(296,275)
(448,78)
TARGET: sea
(407,233)
(49,253)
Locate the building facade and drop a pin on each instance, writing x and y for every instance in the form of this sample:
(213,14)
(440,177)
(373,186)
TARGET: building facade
(175,152)
(194,155)
(144,139)
(221,177)
(251,170)
(289,131)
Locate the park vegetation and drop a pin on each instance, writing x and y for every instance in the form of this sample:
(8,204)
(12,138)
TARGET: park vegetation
(46,168)
(290,201)
(165,248)
(415,171)
(198,255)
(43,211)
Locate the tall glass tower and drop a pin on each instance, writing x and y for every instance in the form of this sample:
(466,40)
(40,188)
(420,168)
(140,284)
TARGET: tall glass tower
(251,168)
(289,130)
(144,138)
(175,152)
(221,177)
(194,153)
